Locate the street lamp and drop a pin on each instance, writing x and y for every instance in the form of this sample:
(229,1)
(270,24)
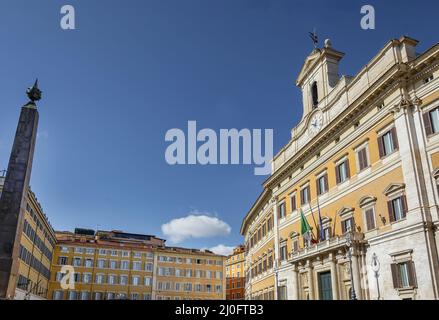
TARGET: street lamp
(376,269)
(349,244)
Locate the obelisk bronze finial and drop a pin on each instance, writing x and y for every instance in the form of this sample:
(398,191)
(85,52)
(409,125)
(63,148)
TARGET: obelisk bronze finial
(34,93)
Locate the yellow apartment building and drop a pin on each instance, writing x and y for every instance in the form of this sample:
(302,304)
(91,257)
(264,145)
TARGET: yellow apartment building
(117,265)
(107,265)
(188,274)
(235,274)
(36,249)
(362,166)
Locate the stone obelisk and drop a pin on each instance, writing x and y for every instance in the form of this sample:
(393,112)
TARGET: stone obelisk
(14,195)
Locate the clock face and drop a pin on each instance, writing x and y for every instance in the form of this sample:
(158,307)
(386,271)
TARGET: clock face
(316,123)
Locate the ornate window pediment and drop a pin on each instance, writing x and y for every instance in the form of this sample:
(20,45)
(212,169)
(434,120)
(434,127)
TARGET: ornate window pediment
(294,235)
(326,221)
(346,212)
(367,201)
(394,188)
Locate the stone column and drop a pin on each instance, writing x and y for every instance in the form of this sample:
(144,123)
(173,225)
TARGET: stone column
(334,277)
(309,269)
(356,276)
(295,283)
(14,197)
(430,185)
(417,176)
(407,143)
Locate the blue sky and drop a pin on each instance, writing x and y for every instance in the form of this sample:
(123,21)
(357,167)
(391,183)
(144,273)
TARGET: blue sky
(134,69)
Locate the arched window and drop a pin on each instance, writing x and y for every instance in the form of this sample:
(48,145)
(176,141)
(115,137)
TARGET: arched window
(315,94)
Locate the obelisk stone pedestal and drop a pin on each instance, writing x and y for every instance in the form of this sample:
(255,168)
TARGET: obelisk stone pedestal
(13,198)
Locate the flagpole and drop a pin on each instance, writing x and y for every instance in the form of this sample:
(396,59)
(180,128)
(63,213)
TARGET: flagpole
(320,220)
(333,229)
(313,218)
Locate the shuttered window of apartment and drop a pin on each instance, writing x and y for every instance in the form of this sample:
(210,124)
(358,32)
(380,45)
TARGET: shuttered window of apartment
(397,208)
(404,275)
(363,162)
(388,143)
(347,225)
(322,184)
(293,202)
(370,219)
(281,210)
(342,171)
(305,195)
(431,121)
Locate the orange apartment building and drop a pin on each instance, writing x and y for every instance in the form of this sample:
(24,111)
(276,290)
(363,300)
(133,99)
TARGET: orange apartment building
(235,273)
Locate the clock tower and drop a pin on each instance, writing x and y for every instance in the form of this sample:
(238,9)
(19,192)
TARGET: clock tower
(318,77)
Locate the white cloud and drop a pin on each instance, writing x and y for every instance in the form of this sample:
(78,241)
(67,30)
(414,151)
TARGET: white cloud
(195,226)
(222,250)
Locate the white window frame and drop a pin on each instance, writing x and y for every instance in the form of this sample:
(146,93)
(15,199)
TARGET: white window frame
(114,279)
(282,203)
(302,187)
(320,176)
(338,163)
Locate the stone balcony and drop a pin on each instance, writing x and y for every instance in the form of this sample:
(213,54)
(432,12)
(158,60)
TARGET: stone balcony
(336,243)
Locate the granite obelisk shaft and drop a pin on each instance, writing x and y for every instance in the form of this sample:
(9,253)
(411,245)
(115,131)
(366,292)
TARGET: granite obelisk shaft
(13,198)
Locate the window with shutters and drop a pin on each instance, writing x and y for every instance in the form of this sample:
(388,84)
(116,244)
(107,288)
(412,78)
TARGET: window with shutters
(305,195)
(388,143)
(295,245)
(404,275)
(362,158)
(431,121)
(369,218)
(283,251)
(293,202)
(322,184)
(294,236)
(281,210)
(269,224)
(342,171)
(347,225)
(327,234)
(62,261)
(397,208)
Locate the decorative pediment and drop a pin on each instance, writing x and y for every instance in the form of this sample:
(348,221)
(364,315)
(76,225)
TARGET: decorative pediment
(307,65)
(294,234)
(393,188)
(366,201)
(326,220)
(345,211)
